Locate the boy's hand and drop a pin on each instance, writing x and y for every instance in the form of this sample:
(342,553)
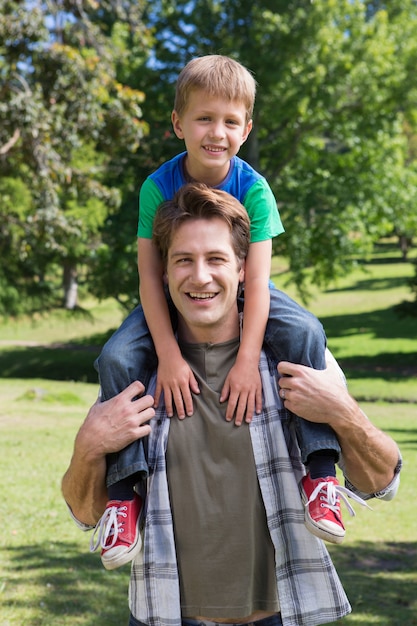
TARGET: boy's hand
(176,380)
(243,388)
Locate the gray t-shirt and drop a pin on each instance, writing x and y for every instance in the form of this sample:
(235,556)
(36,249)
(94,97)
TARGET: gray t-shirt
(224,550)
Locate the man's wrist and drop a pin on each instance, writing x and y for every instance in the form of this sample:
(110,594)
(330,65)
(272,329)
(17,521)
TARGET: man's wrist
(347,417)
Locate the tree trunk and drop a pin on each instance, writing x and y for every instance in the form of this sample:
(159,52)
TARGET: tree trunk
(405,244)
(70,284)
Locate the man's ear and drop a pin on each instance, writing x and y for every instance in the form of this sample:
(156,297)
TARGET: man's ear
(176,124)
(242,271)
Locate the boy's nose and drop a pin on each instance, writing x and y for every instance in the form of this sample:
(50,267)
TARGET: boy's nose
(217,130)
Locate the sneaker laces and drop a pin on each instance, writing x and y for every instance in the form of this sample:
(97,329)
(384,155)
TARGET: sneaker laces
(108,526)
(331,494)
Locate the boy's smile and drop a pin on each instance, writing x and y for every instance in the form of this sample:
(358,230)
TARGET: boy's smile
(213,130)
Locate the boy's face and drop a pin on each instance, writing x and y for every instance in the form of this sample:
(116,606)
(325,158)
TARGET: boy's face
(213,130)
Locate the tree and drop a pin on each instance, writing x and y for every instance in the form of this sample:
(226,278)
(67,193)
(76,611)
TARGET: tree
(335,88)
(65,119)
(334,128)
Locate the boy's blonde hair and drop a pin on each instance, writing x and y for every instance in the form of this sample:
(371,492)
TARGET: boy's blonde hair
(217,75)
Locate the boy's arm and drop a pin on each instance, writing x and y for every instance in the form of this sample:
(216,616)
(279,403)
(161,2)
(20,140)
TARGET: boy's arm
(243,384)
(175,377)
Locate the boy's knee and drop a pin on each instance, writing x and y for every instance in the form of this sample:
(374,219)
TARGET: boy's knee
(109,357)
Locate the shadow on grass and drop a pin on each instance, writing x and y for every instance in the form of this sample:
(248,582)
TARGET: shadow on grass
(380,579)
(392,367)
(58,363)
(405,438)
(74,360)
(374,284)
(381,323)
(66,585)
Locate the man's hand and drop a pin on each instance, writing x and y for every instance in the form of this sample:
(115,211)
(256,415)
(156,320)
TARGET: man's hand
(113,424)
(109,427)
(312,394)
(243,388)
(176,381)
(370,456)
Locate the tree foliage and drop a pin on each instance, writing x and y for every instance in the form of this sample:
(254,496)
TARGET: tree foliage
(334,127)
(65,121)
(336,82)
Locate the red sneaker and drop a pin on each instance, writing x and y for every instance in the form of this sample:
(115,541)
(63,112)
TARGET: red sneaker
(323,517)
(321,497)
(118,532)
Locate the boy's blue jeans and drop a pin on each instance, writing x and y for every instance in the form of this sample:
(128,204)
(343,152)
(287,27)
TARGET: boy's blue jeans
(292,334)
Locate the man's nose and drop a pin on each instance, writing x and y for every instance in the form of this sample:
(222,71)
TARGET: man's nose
(201,274)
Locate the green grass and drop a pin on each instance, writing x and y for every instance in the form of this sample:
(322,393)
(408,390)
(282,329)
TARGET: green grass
(47,575)
(376,348)
(378,561)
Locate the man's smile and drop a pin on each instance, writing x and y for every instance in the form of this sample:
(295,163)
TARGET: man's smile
(201,296)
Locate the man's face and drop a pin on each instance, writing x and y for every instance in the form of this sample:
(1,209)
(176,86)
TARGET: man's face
(203,276)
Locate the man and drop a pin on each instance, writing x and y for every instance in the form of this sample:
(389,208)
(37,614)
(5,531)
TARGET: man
(224,537)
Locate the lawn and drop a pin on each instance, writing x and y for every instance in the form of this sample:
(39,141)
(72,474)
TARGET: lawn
(47,575)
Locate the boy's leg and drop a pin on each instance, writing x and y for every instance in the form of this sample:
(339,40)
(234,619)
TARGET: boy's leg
(127,356)
(296,335)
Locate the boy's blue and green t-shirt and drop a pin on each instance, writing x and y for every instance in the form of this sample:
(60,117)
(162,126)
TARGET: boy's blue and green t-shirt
(242,182)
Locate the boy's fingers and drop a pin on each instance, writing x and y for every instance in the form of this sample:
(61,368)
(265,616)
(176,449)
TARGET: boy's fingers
(250,408)
(179,405)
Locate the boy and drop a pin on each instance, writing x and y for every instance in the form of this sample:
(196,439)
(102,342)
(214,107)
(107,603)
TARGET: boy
(213,115)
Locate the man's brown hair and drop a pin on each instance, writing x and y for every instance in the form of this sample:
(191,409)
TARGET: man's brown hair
(197,201)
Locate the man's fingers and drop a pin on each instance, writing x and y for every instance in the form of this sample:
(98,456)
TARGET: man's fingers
(134,389)
(285,368)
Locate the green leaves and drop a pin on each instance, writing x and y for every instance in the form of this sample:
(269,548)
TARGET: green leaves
(65,118)
(86,92)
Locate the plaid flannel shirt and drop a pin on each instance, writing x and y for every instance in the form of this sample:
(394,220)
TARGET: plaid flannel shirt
(309,589)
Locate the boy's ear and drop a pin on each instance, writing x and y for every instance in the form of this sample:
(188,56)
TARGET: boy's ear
(176,124)
(247,130)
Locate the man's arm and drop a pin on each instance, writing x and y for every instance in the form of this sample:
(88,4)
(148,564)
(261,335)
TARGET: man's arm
(109,427)
(370,456)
